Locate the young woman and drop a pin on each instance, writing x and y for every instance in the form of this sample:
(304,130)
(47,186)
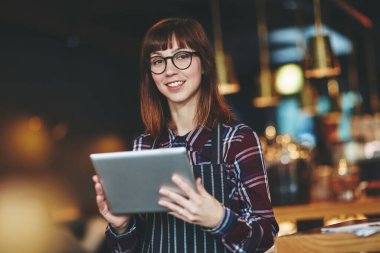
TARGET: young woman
(230,211)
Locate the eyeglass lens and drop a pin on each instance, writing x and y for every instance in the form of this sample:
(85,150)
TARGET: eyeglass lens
(181,60)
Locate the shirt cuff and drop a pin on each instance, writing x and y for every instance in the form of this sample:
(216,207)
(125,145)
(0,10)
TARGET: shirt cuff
(130,230)
(228,221)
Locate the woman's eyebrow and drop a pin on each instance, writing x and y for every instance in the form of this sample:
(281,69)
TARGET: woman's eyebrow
(182,49)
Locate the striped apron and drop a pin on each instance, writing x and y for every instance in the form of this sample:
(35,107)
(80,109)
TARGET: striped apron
(165,233)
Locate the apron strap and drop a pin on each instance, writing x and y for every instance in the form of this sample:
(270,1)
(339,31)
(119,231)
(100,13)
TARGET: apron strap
(217,147)
(154,143)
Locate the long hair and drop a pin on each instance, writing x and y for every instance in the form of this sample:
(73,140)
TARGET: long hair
(188,33)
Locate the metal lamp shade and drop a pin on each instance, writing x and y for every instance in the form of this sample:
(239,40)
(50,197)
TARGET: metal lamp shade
(228,82)
(320,60)
(267,96)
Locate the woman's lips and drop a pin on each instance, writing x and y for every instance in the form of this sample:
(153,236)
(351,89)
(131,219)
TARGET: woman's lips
(175,84)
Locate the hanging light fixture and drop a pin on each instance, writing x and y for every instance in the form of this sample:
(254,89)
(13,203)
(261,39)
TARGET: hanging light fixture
(228,82)
(267,96)
(320,60)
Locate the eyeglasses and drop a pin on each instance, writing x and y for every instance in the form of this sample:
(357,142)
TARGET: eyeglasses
(181,60)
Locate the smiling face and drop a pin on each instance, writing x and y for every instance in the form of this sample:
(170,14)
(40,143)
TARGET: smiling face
(196,89)
(180,87)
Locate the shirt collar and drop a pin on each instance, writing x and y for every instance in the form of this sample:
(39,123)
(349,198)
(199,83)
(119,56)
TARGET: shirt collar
(195,139)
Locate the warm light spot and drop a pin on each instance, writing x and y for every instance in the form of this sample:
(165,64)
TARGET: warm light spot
(60,131)
(35,123)
(28,144)
(23,214)
(294,155)
(342,167)
(228,82)
(108,143)
(287,228)
(292,147)
(289,79)
(228,88)
(371,149)
(342,218)
(286,138)
(279,139)
(333,87)
(270,132)
(66,214)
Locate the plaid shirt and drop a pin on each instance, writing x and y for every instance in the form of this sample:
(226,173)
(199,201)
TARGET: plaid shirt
(249,224)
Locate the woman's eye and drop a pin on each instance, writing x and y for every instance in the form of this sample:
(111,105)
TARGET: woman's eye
(156,61)
(183,56)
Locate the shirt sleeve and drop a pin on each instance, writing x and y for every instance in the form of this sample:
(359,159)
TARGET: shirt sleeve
(126,242)
(249,224)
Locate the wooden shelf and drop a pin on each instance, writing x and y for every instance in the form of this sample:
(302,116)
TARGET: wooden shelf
(319,210)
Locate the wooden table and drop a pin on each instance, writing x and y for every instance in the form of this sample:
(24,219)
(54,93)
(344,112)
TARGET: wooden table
(320,210)
(315,241)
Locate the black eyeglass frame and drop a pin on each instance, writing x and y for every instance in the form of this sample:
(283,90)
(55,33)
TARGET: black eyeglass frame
(148,61)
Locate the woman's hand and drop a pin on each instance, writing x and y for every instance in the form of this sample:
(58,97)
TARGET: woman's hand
(118,222)
(196,206)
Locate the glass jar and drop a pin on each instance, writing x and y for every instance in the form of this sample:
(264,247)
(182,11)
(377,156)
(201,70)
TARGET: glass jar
(345,180)
(288,169)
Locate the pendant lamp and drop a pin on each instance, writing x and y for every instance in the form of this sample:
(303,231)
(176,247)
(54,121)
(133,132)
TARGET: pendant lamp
(228,82)
(320,61)
(267,96)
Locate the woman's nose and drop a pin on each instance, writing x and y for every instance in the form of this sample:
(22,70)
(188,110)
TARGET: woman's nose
(170,67)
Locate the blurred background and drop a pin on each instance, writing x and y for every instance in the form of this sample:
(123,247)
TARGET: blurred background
(303,73)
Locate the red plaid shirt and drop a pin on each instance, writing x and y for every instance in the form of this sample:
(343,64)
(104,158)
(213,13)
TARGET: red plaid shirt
(249,224)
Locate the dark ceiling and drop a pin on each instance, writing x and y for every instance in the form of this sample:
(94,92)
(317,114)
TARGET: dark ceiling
(77,60)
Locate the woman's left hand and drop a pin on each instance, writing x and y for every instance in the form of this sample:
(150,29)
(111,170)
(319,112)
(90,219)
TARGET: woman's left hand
(197,206)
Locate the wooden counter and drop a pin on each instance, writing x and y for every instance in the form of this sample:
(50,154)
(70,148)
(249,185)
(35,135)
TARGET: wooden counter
(336,243)
(315,241)
(320,210)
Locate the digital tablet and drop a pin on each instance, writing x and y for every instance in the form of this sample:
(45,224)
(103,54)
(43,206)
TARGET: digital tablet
(131,179)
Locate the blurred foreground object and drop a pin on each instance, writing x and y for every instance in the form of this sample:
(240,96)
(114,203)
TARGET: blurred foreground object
(26,225)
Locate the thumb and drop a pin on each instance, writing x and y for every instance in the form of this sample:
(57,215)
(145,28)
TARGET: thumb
(200,187)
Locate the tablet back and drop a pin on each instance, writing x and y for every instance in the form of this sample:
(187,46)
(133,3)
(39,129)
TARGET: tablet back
(131,179)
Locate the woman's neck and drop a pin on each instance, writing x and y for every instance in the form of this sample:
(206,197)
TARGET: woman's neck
(183,118)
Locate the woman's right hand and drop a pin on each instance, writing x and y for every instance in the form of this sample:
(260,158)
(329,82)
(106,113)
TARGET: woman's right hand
(119,223)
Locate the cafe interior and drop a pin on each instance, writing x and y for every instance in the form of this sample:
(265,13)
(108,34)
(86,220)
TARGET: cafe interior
(304,74)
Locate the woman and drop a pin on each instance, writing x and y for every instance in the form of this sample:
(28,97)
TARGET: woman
(230,211)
